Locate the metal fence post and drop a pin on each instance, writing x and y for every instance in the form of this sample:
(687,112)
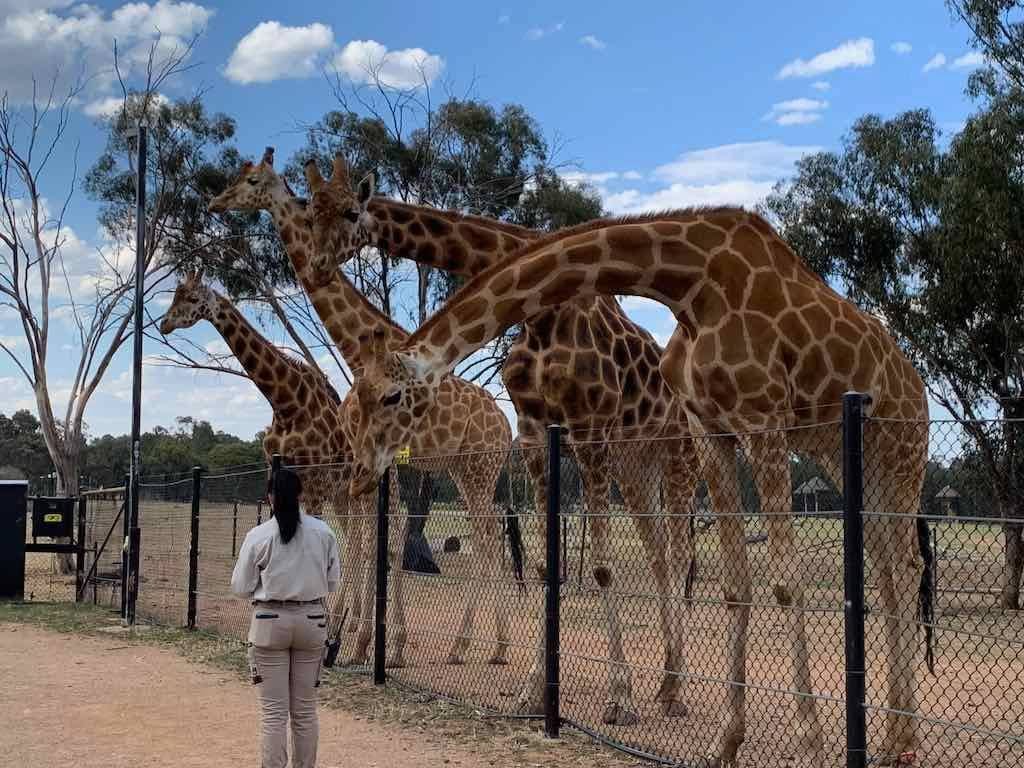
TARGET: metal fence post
(552,589)
(80,550)
(380,624)
(124,549)
(853,578)
(193,547)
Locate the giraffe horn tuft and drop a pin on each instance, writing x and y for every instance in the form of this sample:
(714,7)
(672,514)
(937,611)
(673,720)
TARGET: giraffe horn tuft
(268,156)
(378,346)
(313,177)
(339,170)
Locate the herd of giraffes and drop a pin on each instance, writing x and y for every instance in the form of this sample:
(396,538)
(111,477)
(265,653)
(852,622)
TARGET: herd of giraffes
(762,353)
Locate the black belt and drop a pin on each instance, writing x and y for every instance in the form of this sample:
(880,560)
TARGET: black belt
(318,601)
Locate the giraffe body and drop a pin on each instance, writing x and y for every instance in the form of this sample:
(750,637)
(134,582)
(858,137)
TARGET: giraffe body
(464,418)
(583,365)
(762,355)
(305,425)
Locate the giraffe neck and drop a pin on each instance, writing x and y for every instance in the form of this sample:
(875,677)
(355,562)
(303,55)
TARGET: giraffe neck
(259,358)
(348,316)
(653,259)
(456,243)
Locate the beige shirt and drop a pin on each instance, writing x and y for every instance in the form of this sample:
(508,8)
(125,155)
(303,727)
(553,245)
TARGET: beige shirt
(306,568)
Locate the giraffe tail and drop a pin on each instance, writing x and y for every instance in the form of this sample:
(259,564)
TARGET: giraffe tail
(926,591)
(515,544)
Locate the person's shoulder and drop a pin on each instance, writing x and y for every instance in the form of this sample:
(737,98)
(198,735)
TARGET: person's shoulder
(263,531)
(318,525)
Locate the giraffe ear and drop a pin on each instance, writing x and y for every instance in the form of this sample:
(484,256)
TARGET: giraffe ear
(198,275)
(366,187)
(268,157)
(339,171)
(313,177)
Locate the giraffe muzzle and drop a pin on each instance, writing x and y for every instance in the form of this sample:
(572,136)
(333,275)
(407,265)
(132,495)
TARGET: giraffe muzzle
(363,481)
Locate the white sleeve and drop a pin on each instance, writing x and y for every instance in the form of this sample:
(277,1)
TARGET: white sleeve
(246,576)
(333,563)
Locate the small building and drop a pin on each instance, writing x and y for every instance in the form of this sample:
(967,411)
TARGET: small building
(809,493)
(948,500)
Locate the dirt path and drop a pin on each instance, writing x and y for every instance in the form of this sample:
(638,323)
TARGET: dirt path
(156,709)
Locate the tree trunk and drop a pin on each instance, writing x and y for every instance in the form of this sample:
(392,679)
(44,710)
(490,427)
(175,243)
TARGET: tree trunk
(1013,565)
(423,288)
(67,485)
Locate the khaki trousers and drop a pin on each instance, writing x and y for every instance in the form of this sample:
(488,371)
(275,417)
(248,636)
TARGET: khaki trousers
(286,650)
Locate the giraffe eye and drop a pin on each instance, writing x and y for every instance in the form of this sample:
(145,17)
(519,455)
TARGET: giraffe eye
(253,180)
(391,399)
(352,216)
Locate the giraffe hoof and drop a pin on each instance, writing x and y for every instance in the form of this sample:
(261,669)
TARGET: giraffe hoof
(526,706)
(674,708)
(498,660)
(395,662)
(455,659)
(616,714)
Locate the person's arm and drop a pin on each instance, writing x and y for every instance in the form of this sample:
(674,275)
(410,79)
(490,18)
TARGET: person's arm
(333,564)
(246,576)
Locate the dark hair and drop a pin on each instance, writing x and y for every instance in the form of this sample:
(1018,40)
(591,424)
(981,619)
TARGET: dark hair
(286,493)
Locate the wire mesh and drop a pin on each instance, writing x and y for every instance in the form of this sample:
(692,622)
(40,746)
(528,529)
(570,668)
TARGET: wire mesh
(104,542)
(701,586)
(952,553)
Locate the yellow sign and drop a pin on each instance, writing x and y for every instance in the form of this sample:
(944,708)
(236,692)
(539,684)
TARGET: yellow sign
(53,518)
(402,457)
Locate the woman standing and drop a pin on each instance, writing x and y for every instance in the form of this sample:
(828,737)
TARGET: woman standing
(287,566)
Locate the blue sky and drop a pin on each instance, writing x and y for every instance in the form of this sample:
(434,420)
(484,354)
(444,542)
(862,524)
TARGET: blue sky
(657,104)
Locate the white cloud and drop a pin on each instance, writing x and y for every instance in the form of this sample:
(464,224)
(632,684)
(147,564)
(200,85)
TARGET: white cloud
(935,62)
(821,85)
(504,18)
(12,341)
(363,61)
(632,175)
(796,111)
(852,53)
(537,33)
(271,52)
(109,106)
(732,174)
(901,47)
(971,60)
(755,159)
(43,40)
(593,42)
(579,177)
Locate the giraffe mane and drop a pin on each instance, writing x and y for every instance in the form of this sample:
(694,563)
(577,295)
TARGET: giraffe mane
(454,216)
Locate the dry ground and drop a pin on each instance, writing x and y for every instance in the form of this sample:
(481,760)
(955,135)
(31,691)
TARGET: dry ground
(106,699)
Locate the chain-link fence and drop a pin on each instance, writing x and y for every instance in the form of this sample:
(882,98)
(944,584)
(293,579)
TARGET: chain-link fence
(688,600)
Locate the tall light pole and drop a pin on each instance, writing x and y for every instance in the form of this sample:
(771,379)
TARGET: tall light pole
(134,537)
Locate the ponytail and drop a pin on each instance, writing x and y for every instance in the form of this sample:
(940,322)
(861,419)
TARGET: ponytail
(286,491)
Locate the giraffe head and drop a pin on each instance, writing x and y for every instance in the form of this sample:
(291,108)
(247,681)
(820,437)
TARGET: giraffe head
(394,392)
(254,189)
(193,301)
(341,222)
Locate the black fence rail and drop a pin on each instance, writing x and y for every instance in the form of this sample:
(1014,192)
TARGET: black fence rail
(840,595)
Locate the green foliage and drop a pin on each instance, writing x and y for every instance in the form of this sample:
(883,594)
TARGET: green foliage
(22,446)
(168,453)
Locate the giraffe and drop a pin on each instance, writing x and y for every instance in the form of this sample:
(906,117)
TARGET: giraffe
(305,424)
(584,365)
(465,419)
(761,356)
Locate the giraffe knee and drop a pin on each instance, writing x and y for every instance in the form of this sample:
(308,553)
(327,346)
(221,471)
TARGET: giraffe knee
(603,577)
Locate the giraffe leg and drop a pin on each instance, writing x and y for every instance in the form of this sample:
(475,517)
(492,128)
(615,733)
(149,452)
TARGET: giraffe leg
(369,548)
(357,553)
(891,542)
(680,474)
(398,530)
(769,459)
(531,697)
(718,466)
(472,486)
(594,466)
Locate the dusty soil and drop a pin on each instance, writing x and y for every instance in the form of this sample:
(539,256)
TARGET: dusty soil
(61,706)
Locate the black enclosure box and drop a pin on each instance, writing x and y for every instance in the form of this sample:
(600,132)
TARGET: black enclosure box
(53,516)
(12,539)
